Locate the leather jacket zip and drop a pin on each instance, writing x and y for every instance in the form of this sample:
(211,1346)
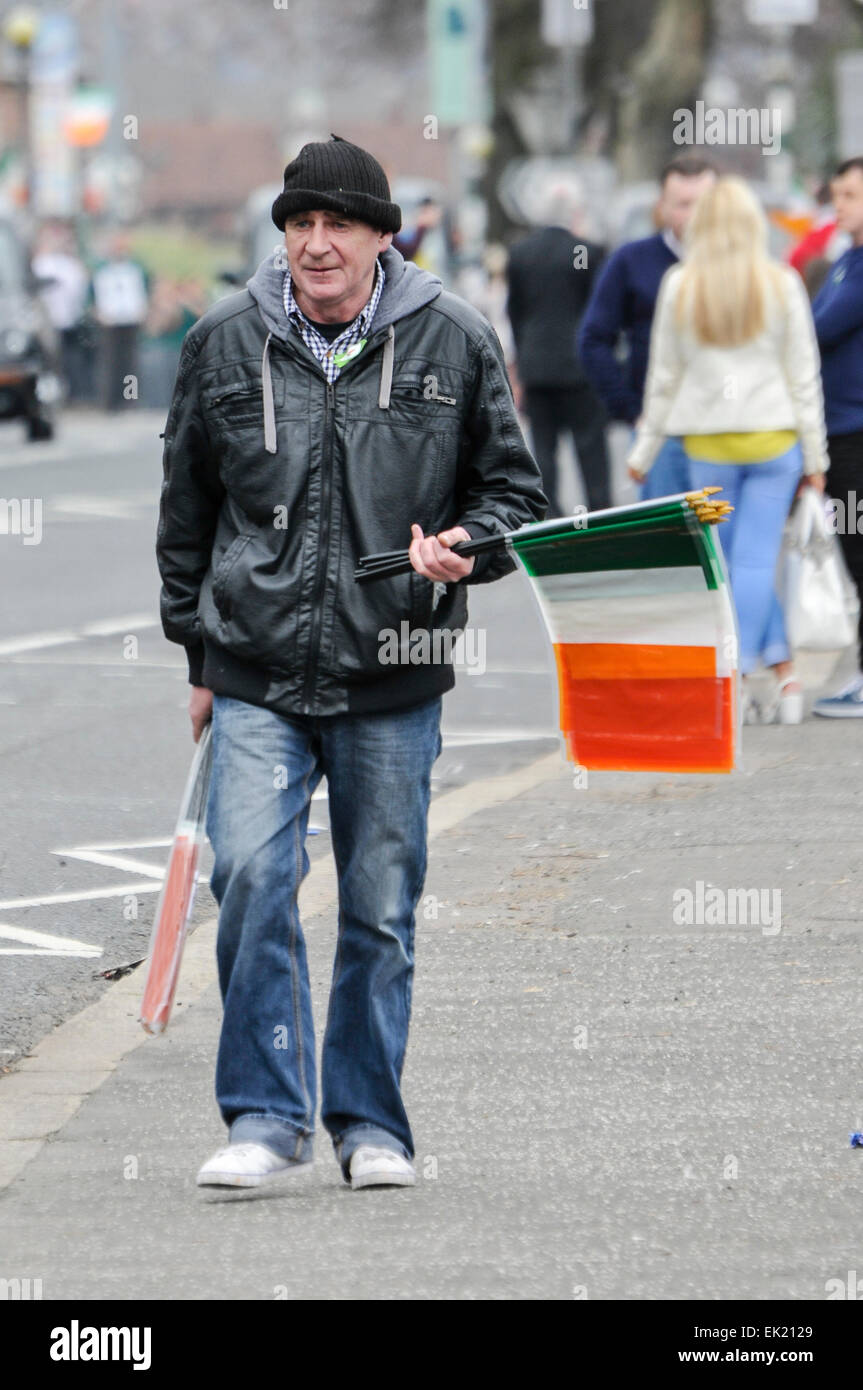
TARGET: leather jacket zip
(323,542)
(326,511)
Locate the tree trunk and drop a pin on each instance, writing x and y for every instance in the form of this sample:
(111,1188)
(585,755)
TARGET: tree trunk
(664,76)
(516,54)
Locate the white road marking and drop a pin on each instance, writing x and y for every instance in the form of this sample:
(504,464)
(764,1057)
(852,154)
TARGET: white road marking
(105,855)
(104,627)
(35,641)
(39,943)
(116,891)
(110,846)
(92,506)
(109,627)
(94,437)
(114,861)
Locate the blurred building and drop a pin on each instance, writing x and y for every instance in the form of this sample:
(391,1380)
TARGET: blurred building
(203,172)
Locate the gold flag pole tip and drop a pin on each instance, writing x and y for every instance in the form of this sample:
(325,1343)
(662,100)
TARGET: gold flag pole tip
(709,513)
(702,493)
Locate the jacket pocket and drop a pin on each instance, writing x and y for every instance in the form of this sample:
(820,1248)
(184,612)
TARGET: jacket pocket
(238,399)
(221,579)
(235,401)
(439,400)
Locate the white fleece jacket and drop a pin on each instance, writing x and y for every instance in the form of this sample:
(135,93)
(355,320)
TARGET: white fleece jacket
(773,382)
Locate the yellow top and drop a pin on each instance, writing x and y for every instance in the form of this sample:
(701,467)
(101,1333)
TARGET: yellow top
(750,446)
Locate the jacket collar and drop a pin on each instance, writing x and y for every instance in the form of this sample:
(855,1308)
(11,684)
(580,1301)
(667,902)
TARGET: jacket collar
(406,289)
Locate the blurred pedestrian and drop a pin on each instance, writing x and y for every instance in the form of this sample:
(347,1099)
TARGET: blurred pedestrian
(121,289)
(824,243)
(734,370)
(550,275)
(174,307)
(65,298)
(490,296)
(838,313)
(621,309)
(408,241)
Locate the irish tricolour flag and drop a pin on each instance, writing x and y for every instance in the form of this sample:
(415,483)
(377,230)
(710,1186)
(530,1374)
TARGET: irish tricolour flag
(638,607)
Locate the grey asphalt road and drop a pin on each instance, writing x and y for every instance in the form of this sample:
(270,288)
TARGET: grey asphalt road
(615,1093)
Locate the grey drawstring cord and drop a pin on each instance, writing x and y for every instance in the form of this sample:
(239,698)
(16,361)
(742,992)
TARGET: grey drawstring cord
(387,369)
(269,403)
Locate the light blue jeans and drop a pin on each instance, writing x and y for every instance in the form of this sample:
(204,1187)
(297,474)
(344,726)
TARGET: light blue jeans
(669,472)
(265,769)
(751,537)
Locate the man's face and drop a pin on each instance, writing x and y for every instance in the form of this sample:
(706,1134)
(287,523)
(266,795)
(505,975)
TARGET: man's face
(332,258)
(679,195)
(847,193)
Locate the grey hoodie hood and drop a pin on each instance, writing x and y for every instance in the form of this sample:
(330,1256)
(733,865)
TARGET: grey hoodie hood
(406,288)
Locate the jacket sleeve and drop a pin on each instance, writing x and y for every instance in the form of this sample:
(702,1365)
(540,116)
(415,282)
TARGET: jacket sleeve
(500,484)
(188,511)
(603,322)
(837,315)
(664,375)
(802,367)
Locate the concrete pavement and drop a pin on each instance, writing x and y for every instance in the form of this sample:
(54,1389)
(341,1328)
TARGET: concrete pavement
(610,1098)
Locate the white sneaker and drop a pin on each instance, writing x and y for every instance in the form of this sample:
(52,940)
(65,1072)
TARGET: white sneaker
(374,1167)
(784,705)
(245,1165)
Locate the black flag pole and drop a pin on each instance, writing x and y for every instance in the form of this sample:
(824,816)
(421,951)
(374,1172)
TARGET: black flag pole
(387,563)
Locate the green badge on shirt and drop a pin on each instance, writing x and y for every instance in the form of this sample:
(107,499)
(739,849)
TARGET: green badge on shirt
(340,358)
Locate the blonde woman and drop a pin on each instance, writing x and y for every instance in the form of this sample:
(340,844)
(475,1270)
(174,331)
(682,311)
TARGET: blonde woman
(734,369)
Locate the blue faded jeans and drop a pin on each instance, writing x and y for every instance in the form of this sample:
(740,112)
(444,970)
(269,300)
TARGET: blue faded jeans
(265,768)
(669,472)
(751,537)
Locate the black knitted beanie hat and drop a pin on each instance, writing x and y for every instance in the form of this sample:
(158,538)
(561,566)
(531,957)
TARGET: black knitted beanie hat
(340,176)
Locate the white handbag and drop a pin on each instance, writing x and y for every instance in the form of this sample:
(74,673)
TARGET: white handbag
(812,585)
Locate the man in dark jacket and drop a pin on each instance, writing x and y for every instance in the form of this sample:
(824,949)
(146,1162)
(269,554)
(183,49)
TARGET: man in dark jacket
(342,404)
(550,275)
(621,312)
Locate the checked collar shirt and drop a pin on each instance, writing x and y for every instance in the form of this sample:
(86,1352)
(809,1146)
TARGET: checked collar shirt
(324,351)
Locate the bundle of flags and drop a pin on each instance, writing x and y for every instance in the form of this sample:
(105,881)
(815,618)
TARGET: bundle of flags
(637,605)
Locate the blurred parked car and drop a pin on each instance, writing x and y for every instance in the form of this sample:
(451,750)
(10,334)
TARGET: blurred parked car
(30,385)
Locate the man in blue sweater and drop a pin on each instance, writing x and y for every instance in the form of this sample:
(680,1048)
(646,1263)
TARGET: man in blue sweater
(622,305)
(838,313)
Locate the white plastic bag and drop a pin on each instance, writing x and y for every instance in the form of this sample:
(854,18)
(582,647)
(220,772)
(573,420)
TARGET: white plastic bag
(811,581)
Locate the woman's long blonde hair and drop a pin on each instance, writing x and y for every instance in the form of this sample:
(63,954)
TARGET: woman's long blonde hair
(727,275)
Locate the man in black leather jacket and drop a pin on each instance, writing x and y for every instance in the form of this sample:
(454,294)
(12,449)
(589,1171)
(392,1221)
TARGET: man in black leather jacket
(343,403)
